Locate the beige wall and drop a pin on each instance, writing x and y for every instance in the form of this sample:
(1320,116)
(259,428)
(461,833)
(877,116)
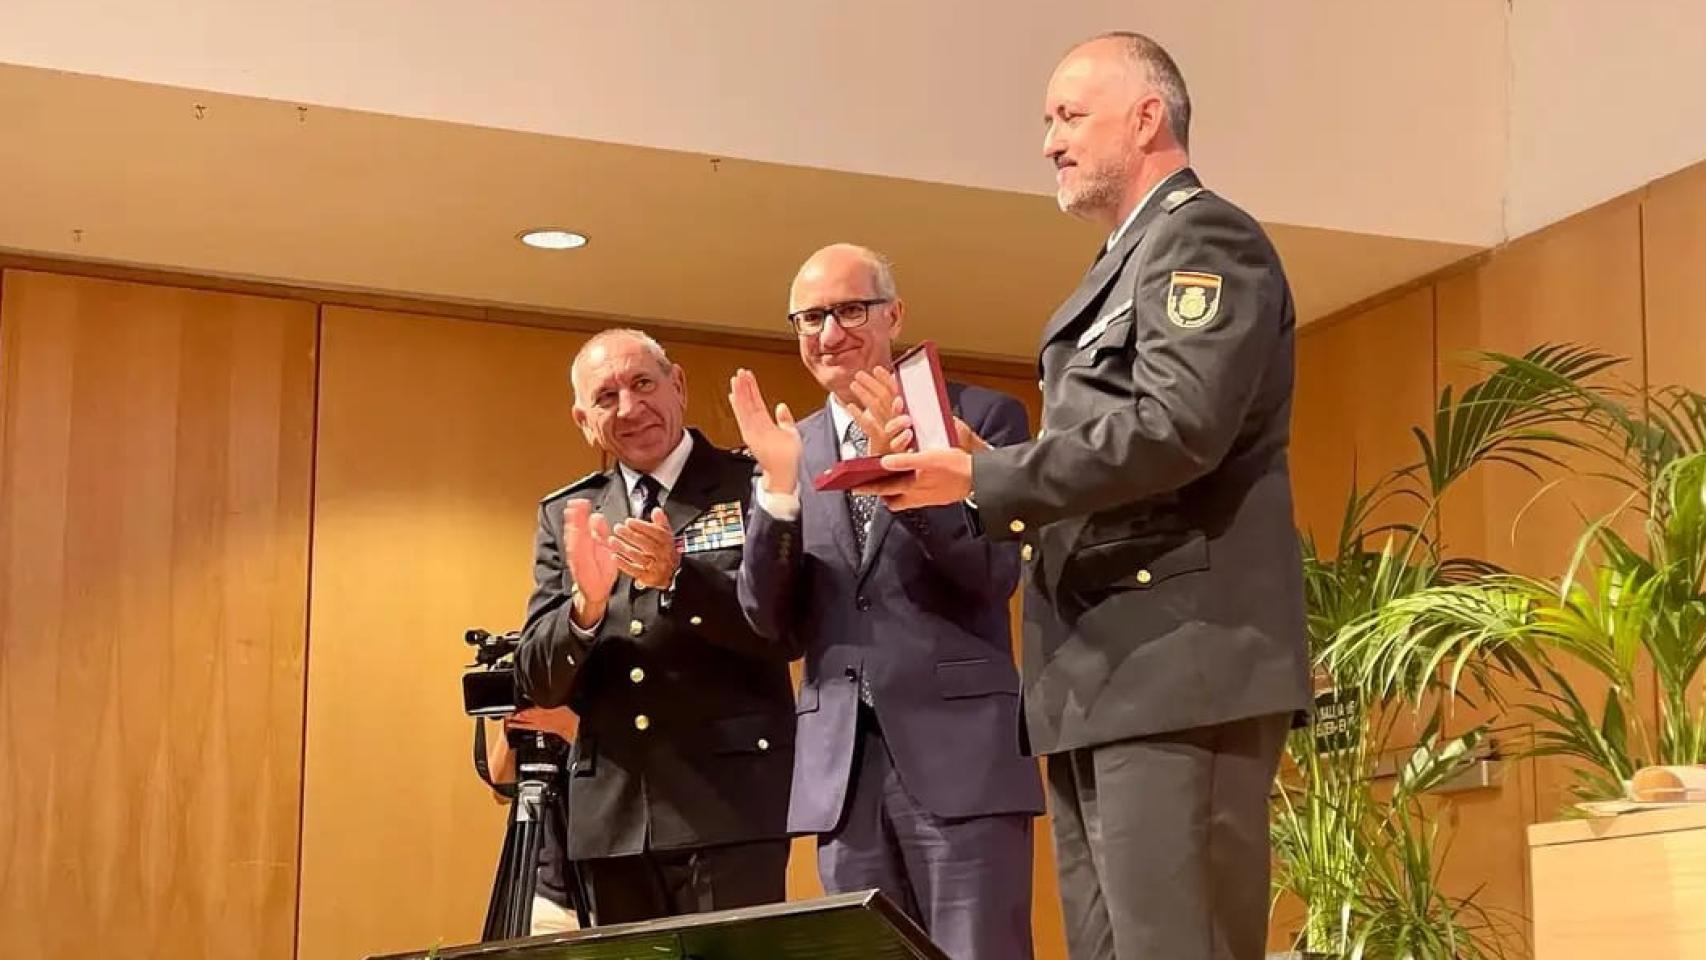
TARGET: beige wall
(1604,97)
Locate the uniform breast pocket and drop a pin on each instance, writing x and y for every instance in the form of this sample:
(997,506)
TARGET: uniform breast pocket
(1104,340)
(1141,562)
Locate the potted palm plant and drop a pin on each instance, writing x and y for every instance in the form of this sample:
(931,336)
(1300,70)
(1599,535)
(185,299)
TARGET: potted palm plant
(1626,605)
(1360,851)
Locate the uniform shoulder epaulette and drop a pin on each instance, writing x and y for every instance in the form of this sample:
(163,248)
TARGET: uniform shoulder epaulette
(588,482)
(745,453)
(1178,198)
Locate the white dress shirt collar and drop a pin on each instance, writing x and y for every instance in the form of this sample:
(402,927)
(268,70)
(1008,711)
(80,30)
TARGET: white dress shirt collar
(667,472)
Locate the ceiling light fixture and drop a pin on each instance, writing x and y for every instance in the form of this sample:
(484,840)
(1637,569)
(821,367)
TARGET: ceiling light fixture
(553,239)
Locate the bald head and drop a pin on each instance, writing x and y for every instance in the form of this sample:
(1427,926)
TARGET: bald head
(843,260)
(856,286)
(1151,68)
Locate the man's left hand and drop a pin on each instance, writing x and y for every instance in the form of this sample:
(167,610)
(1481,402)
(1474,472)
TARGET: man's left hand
(928,478)
(645,550)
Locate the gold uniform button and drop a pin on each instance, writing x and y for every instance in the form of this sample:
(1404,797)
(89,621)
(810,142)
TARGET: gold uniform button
(1143,576)
(1025,553)
(696,620)
(763,744)
(1017,526)
(637,675)
(635,628)
(642,721)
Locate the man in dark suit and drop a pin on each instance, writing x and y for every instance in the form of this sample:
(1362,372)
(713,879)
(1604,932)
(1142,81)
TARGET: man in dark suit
(909,764)
(1164,644)
(678,795)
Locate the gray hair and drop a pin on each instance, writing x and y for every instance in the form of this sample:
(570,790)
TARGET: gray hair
(882,272)
(1163,75)
(602,337)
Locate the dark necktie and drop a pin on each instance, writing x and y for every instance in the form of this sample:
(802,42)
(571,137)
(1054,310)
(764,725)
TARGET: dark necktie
(651,493)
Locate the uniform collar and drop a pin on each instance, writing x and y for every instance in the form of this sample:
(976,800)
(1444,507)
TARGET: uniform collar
(1132,216)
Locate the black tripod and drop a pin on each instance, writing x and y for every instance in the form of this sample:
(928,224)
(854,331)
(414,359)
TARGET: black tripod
(541,760)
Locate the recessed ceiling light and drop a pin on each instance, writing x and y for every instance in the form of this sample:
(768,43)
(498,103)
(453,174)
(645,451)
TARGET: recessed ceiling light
(553,239)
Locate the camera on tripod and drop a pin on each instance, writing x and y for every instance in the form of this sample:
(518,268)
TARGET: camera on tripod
(541,761)
(489,688)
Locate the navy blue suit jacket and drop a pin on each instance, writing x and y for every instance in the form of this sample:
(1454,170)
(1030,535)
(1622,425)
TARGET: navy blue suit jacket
(923,615)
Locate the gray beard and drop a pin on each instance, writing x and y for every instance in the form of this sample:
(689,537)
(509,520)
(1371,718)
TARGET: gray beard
(1092,196)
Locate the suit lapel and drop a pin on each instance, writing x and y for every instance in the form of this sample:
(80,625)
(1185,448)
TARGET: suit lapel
(1108,266)
(822,448)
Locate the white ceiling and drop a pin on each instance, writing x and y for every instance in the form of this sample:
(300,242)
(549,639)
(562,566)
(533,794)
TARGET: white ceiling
(1382,118)
(1377,141)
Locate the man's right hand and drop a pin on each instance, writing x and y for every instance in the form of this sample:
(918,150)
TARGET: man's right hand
(556,720)
(773,441)
(592,564)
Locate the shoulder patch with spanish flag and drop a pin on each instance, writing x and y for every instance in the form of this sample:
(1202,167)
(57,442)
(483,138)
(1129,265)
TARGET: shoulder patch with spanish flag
(1193,299)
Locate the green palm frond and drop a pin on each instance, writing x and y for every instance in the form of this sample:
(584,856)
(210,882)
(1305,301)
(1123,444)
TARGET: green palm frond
(1514,416)
(1406,630)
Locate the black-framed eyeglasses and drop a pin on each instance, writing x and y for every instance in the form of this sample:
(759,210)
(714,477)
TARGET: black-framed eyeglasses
(848,314)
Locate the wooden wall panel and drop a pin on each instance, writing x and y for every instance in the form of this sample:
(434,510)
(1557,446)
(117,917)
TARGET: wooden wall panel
(1362,383)
(154,478)
(436,440)
(1674,244)
(1578,282)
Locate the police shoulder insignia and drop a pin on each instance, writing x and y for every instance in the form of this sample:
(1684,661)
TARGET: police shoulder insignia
(1193,299)
(1178,198)
(588,482)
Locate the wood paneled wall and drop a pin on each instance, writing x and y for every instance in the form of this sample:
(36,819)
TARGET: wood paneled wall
(216,742)
(1625,278)
(154,477)
(436,439)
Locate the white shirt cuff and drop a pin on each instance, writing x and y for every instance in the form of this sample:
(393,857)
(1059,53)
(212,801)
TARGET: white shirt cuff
(782,506)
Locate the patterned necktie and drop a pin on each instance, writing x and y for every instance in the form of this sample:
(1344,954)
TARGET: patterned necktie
(860,508)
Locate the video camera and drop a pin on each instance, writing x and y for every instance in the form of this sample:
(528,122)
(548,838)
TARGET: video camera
(488,685)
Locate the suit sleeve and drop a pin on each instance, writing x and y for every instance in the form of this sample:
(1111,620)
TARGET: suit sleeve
(975,563)
(1193,388)
(549,658)
(768,578)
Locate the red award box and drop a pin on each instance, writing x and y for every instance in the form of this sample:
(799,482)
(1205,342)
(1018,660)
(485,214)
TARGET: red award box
(919,372)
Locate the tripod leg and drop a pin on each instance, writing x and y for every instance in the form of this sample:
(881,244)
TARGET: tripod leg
(497,907)
(525,882)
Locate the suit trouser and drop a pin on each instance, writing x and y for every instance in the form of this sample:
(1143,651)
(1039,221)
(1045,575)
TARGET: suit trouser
(967,882)
(667,883)
(1162,842)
